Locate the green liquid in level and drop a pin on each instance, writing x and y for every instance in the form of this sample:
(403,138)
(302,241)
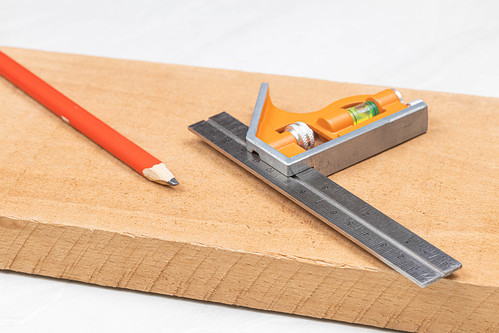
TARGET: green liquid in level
(363,112)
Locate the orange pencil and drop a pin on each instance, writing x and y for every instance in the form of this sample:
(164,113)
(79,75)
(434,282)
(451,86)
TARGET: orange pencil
(82,120)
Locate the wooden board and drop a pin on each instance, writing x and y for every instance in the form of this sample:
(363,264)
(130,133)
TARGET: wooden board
(70,210)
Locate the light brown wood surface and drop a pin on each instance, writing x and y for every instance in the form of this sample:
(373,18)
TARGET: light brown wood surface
(70,210)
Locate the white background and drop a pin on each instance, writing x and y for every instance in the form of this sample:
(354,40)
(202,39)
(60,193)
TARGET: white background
(447,46)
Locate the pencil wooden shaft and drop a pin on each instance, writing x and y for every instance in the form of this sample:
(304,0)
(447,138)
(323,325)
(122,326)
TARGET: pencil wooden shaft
(92,127)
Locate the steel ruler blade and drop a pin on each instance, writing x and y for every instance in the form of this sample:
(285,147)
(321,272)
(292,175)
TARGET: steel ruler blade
(392,243)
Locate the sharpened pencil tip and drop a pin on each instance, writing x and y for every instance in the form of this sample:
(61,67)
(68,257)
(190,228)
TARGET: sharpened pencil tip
(173,182)
(160,174)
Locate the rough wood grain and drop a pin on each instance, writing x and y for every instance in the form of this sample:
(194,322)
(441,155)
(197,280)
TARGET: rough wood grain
(70,210)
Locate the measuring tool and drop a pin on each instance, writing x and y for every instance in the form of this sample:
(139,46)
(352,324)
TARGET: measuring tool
(295,152)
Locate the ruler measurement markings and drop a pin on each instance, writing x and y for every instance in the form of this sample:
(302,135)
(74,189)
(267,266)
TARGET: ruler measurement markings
(380,235)
(387,225)
(374,242)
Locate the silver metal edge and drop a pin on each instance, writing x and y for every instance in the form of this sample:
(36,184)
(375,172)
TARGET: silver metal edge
(257,112)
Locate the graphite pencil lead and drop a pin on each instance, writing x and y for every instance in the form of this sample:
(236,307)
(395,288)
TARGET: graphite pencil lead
(173,182)
(160,174)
